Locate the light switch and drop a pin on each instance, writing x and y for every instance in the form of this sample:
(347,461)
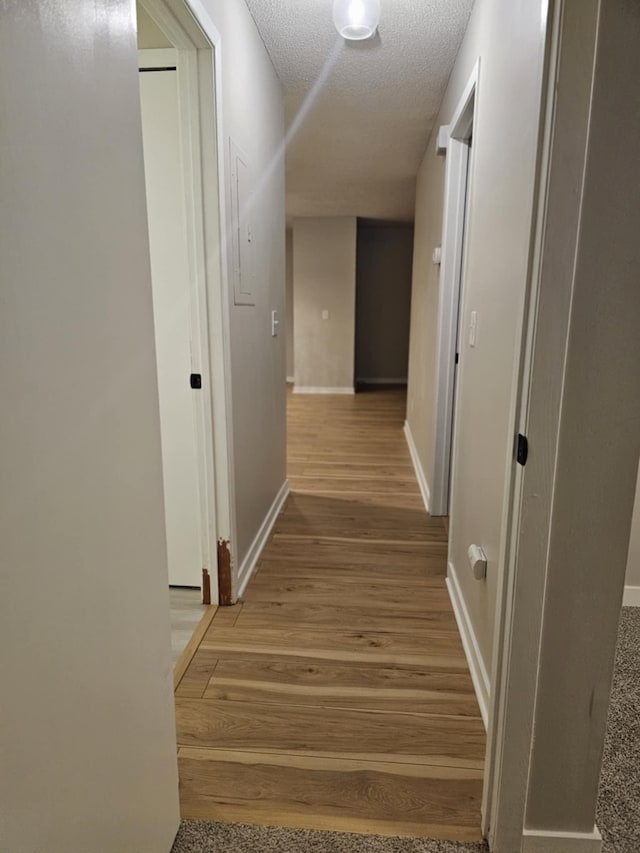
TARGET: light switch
(275,324)
(325,314)
(473,329)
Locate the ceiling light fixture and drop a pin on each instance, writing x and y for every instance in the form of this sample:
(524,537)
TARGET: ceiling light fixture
(356,20)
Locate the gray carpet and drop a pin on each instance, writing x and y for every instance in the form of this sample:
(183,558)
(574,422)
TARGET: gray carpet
(618,816)
(198,836)
(618,804)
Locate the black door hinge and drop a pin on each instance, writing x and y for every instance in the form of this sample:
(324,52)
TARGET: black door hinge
(196,380)
(522,449)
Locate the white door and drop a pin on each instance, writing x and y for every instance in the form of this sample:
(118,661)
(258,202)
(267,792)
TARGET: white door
(172,313)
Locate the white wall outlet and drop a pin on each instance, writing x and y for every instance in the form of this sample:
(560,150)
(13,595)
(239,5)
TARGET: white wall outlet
(477,561)
(275,324)
(473,329)
(325,314)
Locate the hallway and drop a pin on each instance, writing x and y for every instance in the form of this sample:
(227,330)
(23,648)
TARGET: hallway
(336,695)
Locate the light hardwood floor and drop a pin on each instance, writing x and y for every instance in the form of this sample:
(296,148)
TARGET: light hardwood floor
(337,694)
(186,609)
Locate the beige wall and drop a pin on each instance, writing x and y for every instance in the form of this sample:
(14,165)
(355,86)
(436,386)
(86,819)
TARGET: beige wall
(598,445)
(87,737)
(289,301)
(150,36)
(253,116)
(383,300)
(569,145)
(421,389)
(505,146)
(324,278)
(633,564)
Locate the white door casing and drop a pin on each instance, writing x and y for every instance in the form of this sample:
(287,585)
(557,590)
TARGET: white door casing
(190,28)
(458,183)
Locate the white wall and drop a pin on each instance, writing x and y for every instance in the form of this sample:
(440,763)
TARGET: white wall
(324,278)
(633,564)
(505,147)
(253,115)
(421,388)
(568,150)
(383,300)
(87,738)
(598,445)
(289,299)
(150,36)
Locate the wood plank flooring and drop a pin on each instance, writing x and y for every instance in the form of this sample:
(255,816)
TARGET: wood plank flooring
(185,609)
(336,695)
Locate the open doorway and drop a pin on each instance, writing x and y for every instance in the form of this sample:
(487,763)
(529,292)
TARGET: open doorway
(384,255)
(458,186)
(177,77)
(179,374)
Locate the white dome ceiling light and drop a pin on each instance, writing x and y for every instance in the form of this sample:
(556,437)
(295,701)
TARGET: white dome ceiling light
(356,20)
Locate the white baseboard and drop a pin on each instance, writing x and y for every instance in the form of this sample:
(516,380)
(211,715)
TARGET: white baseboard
(381,381)
(417,466)
(631,596)
(253,554)
(537,841)
(479,674)
(290,380)
(310,389)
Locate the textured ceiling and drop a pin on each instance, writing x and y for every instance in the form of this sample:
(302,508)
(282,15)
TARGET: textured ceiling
(359,114)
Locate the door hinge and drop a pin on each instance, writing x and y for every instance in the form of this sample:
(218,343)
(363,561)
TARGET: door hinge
(457,357)
(196,380)
(522,449)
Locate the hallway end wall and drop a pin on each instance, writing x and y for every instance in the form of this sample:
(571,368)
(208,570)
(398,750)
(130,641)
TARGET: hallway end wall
(324,280)
(505,146)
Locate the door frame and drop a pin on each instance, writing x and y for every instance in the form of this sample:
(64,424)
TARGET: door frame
(163,62)
(196,40)
(458,186)
(519,606)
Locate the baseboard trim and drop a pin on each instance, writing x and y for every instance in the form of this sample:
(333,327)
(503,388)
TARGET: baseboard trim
(393,381)
(537,841)
(253,554)
(479,674)
(311,389)
(631,596)
(417,466)
(290,380)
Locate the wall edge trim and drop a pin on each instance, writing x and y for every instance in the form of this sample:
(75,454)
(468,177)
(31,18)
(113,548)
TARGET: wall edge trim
(631,596)
(542,841)
(479,674)
(417,467)
(382,380)
(317,389)
(252,556)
